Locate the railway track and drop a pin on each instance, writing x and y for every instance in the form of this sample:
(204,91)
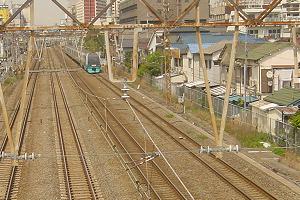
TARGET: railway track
(243,185)
(73,165)
(228,174)
(162,186)
(10,175)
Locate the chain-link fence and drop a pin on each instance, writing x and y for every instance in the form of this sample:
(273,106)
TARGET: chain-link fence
(283,133)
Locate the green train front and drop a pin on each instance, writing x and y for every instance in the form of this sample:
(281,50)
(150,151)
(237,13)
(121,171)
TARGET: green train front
(92,63)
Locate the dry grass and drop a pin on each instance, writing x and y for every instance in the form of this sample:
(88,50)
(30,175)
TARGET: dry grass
(291,159)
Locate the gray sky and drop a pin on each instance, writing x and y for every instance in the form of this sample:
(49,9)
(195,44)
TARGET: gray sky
(46,12)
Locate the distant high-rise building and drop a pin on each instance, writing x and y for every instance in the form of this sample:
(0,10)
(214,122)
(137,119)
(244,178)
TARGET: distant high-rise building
(86,10)
(114,11)
(133,11)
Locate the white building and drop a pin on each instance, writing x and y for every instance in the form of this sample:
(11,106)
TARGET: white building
(270,67)
(253,8)
(191,63)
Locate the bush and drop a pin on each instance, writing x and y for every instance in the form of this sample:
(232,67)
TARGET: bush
(295,120)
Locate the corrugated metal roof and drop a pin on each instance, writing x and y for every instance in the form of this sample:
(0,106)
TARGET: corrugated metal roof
(209,48)
(218,90)
(284,97)
(288,110)
(261,103)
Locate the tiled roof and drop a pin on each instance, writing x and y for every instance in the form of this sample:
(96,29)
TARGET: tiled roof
(256,51)
(284,97)
(263,50)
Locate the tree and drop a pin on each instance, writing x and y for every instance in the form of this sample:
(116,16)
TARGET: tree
(94,42)
(128,59)
(295,120)
(152,64)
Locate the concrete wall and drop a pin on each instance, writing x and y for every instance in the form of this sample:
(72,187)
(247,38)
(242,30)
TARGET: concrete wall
(195,72)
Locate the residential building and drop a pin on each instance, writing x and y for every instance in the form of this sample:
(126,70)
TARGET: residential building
(185,41)
(287,97)
(290,12)
(287,10)
(273,112)
(134,11)
(270,67)
(114,11)
(253,8)
(85,10)
(219,11)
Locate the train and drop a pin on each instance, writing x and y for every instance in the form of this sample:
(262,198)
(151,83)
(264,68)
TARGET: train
(90,62)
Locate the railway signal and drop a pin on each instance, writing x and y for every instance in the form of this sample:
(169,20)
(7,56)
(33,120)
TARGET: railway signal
(125,90)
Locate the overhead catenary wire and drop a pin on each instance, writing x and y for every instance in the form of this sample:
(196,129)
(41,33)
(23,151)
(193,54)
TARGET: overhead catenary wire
(158,149)
(173,152)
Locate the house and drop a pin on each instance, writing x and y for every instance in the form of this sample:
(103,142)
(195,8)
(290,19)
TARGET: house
(186,43)
(269,66)
(273,112)
(191,62)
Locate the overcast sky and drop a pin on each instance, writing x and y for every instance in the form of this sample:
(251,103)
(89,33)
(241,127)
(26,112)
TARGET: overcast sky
(46,12)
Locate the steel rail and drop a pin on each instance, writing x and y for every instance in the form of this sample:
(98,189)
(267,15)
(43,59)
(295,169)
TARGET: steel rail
(60,136)
(21,139)
(78,143)
(12,121)
(181,195)
(91,107)
(260,189)
(136,143)
(76,139)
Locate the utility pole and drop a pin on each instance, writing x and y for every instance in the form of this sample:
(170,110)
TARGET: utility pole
(167,52)
(295,83)
(245,72)
(229,80)
(32,13)
(205,75)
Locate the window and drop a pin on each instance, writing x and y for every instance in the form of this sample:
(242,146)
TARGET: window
(208,64)
(93,59)
(286,84)
(253,33)
(190,63)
